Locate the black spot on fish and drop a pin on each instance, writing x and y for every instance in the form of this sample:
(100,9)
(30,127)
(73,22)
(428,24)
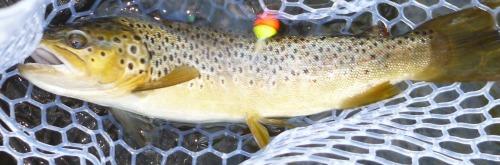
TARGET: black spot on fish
(130,66)
(117,40)
(133,49)
(122,61)
(143,61)
(131,25)
(103,54)
(100,38)
(92,59)
(141,71)
(120,50)
(124,36)
(150,26)
(152,40)
(136,37)
(89,49)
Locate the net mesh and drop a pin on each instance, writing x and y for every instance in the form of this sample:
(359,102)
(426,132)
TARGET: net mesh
(428,123)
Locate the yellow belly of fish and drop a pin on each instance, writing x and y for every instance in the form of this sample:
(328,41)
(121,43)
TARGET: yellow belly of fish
(234,104)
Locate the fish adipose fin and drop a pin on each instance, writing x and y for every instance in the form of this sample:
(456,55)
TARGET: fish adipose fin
(260,132)
(179,75)
(372,95)
(380,30)
(466,48)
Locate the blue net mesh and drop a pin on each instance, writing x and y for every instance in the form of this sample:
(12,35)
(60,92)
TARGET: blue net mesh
(428,123)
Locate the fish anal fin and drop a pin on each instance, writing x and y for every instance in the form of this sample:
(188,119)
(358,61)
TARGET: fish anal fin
(179,75)
(372,95)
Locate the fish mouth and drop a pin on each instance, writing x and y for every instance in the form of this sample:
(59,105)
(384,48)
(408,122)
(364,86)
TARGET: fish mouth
(51,57)
(57,70)
(43,56)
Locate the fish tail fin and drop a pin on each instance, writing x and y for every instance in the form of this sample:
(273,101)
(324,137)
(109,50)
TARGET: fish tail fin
(465,47)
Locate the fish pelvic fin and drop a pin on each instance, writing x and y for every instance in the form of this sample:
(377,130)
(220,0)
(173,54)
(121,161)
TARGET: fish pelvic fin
(260,133)
(466,48)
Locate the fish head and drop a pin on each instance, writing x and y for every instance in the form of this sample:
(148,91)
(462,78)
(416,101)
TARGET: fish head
(87,59)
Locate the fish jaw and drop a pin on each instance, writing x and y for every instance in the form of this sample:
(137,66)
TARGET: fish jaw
(55,54)
(62,72)
(60,80)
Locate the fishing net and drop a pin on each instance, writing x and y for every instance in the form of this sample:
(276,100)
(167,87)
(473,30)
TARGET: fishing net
(428,123)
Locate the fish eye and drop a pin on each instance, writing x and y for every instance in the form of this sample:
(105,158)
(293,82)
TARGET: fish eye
(76,39)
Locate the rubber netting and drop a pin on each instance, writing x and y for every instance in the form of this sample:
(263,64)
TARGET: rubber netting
(455,123)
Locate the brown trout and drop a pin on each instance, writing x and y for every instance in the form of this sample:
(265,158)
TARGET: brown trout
(194,73)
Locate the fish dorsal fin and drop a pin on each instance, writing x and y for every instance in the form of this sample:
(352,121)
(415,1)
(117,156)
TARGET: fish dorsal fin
(179,75)
(372,95)
(377,31)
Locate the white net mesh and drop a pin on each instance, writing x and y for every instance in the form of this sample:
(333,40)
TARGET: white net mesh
(21,27)
(427,124)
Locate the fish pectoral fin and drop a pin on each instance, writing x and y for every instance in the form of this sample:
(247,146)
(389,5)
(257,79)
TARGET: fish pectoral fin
(136,126)
(374,94)
(179,75)
(260,133)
